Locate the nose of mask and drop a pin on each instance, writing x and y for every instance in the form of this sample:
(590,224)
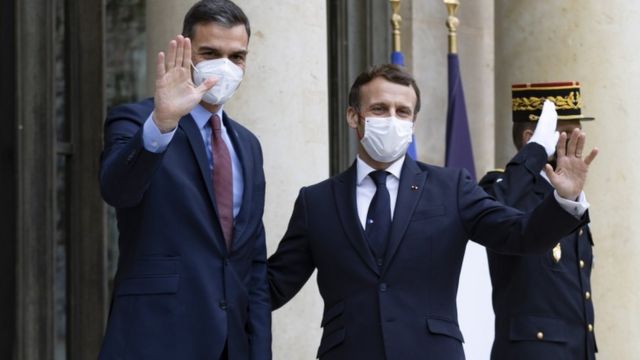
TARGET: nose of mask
(229,76)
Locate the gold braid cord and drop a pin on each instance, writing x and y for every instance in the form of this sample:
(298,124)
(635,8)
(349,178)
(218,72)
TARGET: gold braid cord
(573,101)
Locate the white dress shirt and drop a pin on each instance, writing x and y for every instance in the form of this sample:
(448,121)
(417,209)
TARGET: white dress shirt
(156,142)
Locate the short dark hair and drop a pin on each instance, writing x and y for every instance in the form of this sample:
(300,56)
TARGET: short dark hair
(518,128)
(222,12)
(389,72)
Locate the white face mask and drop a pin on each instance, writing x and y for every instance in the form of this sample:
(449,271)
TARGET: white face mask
(386,139)
(229,77)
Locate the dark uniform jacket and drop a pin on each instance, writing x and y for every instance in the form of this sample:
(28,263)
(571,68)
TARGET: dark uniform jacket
(543,304)
(402,307)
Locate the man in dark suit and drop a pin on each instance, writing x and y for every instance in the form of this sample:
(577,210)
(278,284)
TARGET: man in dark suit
(388,235)
(542,302)
(188,187)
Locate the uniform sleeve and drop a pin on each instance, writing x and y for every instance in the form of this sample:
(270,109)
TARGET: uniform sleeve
(519,177)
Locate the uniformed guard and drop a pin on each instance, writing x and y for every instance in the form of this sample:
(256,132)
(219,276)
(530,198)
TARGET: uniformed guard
(542,303)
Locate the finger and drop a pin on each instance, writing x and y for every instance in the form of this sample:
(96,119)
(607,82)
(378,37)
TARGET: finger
(561,149)
(179,50)
(580,144)
(207,84)
(592,155)
(186,61)
(171,55)
(573,141)
(548,169)
(160,70)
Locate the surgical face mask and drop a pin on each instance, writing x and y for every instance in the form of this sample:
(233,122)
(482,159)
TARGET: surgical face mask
(229,76)
(386,139)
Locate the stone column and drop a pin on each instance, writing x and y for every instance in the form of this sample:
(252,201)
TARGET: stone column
(283,100)
(593,42)
(164,22)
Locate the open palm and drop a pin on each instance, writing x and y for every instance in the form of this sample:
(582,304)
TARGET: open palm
(571,170)
(175,93)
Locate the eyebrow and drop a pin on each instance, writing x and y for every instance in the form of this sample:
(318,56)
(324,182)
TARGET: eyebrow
(203,49)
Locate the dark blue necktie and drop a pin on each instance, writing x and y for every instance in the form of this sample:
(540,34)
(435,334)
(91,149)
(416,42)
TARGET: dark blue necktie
(379,216)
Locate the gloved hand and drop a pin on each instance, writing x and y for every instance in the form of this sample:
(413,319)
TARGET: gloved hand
(545,133)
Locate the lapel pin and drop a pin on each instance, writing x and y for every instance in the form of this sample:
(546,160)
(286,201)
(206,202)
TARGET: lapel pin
(414,187)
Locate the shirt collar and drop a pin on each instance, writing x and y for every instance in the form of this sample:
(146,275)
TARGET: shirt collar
(201,116)
(363,169)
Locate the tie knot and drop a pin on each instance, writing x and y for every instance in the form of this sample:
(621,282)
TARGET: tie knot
(215,122)
(379,177)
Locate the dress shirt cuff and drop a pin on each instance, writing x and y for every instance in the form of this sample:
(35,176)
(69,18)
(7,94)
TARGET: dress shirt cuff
(155,141)
(575,208)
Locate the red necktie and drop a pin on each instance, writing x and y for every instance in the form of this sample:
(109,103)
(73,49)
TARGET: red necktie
(222,180)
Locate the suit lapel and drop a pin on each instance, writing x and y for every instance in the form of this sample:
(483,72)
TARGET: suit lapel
(412,180)
(244,155)
(190,128)
(344,190)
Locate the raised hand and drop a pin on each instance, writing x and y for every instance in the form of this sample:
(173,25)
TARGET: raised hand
(175,93)
(570,173)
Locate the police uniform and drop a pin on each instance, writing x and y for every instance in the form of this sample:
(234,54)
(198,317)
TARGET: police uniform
(542,303)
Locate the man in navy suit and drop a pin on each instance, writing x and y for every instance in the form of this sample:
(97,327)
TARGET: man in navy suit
(543,303)
(388,235)
(188,187)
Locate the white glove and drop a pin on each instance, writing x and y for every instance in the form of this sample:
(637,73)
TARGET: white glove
(545,133)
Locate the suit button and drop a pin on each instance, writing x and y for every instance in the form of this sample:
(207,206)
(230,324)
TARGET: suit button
(587,295)
(581,264)
(379,261)
(383,287)
(540,335)
(580,232)
(223,305)
(590,328)
(226,262)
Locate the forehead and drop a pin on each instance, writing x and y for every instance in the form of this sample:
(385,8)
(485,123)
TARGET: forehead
(382,90)
(211,34)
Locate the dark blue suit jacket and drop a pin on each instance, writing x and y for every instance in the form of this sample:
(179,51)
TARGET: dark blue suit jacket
(535,293)
(404,308)
(179,294)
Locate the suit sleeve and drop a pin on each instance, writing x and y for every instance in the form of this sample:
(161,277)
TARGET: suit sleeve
(508,230)
(292,264)
(259,302)
(126,167)
(519,176)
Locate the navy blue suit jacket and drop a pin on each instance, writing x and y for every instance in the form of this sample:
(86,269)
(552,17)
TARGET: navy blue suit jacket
(537,293)
(179,294)
(404,308)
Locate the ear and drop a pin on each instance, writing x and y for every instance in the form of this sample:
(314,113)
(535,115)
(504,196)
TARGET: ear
(352,117)
(526,136)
